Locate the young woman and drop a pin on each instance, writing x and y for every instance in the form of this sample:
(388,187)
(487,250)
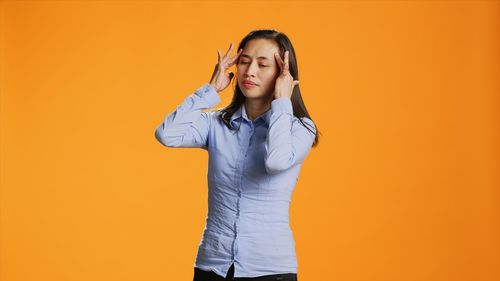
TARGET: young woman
(256,146)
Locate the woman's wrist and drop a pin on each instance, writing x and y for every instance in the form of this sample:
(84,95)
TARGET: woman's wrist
(213,86)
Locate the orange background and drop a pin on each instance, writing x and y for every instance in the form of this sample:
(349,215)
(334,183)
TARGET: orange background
(403,186)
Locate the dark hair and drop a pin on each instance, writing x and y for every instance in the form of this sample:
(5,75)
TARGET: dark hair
(284,44)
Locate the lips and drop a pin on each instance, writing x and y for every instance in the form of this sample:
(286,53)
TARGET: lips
(248,82)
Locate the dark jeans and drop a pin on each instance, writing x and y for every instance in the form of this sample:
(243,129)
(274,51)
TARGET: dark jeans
(202,275)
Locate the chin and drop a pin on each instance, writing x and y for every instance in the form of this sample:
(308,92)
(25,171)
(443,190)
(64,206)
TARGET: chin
(256,96)
(252,94)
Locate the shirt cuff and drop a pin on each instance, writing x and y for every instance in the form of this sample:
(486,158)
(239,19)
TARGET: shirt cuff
(282,105)
(208,94)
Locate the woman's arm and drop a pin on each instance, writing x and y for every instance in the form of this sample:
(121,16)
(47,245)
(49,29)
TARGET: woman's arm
(187,125)
(288,142)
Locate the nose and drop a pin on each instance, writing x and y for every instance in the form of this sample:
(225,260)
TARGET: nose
(251,70)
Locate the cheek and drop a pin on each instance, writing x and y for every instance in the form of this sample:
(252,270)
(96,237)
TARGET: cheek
(270,77)
(272,73)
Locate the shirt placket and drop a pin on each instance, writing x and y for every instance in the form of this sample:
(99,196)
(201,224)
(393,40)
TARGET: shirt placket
(240,165)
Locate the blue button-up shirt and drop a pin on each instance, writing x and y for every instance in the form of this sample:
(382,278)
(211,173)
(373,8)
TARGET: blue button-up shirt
(251,175)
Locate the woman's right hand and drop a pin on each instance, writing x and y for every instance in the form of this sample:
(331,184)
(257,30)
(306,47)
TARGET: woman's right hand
(220,80)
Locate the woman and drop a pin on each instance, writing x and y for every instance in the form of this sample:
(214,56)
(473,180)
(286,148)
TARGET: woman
(256,146)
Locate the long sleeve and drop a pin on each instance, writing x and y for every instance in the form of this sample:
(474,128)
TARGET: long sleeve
(188,125)
(288,142)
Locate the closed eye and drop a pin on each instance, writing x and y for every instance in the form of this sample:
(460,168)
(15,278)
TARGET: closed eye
(242,62)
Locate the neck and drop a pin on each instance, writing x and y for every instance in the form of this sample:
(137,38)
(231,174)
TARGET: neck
(256,107)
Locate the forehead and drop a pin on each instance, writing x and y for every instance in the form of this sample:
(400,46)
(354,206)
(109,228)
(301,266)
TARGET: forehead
(260,48)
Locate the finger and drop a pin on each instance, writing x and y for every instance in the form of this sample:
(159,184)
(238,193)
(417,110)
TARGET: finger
(229,51)
(279,61)
(218,56)
(286,62)
(233,60)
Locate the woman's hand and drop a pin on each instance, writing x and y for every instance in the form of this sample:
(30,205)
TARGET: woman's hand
(220,80)
(284,83)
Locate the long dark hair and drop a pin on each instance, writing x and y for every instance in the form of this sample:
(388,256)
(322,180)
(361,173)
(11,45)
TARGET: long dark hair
(299,109)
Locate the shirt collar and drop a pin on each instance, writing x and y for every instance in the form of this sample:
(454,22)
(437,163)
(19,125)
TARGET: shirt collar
(241,113)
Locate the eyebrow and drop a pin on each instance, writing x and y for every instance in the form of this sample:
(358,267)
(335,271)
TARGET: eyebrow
(265,58)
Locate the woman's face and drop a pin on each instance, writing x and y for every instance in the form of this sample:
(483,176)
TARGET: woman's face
(258,64)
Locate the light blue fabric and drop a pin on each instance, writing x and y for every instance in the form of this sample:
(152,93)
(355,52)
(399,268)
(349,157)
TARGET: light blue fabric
(251,175)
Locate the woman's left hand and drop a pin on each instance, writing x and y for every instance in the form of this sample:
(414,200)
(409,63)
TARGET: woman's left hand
(284,83)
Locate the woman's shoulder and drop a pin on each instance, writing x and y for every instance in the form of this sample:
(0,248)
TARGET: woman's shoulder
(214,116)
(214,113)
